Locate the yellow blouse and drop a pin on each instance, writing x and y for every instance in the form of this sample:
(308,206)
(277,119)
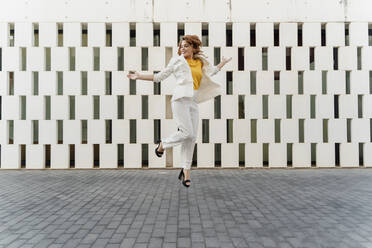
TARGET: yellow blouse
(196,70)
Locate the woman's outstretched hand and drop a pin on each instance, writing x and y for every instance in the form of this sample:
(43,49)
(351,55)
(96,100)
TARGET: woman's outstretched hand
(225,60)
(133,75)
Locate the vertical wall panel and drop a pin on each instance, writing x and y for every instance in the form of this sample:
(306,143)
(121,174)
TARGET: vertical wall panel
(230,155)
(193,29)
(60,108)
(253,154)
(108,59)
(132,54)
(108,156)
(168,34)
(13,63)
(335,34)
(311,34)
(241,34)
(120,34)
(156,58)
(35,59)
(48,34)
(277,107)
(47,83)
(325,155)
(277,155)
(264,34)
(205,155)
(337,131)
(336,82)
(144,34)
(288,34)
(84,156)
(71,83)
(10,157)
(156,107)
(367,58)
(145,131)
(22,83)
(120,131)
(313,131)
(289,131)
(347,58)
(301,155)
(22,132)
(96,132)
(300,58)
(71,131)
(359,82)
(96,34)
(49,135)
(312,82)
(34,107)
(3,34)
(242,131)
(35,157)
(132,156)
(23,34)
(252,58)
(72,34)
(217,34)
(358,34)
(12,111)
(349,155)
(323,58)
(289,82)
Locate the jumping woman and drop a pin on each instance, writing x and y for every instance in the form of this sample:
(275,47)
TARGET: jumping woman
(193,85)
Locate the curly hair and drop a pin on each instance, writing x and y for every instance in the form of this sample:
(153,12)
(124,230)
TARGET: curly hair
(192,40)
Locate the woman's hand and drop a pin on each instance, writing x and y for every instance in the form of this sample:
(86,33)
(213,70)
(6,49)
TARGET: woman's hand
(225,60)
(133,75)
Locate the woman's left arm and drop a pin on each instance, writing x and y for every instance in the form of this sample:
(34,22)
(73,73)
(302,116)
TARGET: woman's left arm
(218,67)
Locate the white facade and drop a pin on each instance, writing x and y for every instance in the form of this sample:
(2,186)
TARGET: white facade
(307,95)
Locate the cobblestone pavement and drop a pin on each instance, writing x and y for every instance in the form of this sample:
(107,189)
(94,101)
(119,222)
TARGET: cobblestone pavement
(222,208)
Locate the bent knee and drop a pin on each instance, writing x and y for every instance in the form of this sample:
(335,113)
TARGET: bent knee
(186,135)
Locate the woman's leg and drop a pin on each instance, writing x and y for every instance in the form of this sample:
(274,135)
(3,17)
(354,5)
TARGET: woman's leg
(187,149)
(182,117)
(188,145)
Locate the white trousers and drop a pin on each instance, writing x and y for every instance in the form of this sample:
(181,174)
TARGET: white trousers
(186,114)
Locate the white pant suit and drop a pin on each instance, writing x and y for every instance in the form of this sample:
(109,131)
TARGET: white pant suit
(185,103)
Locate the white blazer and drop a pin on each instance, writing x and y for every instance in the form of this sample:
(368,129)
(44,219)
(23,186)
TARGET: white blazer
(178,65)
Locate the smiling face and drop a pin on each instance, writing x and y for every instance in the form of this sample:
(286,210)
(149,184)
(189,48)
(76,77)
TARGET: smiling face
(186,50)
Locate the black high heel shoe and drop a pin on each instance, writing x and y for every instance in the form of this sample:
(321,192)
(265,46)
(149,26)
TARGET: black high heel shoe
(159,154)
(181,176)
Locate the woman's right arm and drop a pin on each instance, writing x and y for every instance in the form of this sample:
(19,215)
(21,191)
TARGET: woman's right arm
(157,77)
(136,75)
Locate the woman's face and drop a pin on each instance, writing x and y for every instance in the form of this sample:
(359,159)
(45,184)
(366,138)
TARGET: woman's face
(186,49)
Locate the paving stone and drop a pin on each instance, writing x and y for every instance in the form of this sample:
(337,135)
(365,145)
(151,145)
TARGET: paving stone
(313,208)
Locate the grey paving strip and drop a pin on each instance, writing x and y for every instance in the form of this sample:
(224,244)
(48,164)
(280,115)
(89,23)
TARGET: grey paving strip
(222,208)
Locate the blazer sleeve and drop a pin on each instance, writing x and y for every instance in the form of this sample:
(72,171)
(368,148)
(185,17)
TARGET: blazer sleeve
(163,74)
(214,70)
(210,69)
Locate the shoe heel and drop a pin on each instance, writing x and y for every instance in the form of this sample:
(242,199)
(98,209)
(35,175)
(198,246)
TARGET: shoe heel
(180,175)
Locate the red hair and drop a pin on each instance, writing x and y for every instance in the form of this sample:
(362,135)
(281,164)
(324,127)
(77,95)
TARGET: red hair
(193,41)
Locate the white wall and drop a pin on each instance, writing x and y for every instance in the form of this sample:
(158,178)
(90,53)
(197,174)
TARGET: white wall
(241,14)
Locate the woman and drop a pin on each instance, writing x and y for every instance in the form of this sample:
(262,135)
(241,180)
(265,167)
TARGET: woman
(193,85)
